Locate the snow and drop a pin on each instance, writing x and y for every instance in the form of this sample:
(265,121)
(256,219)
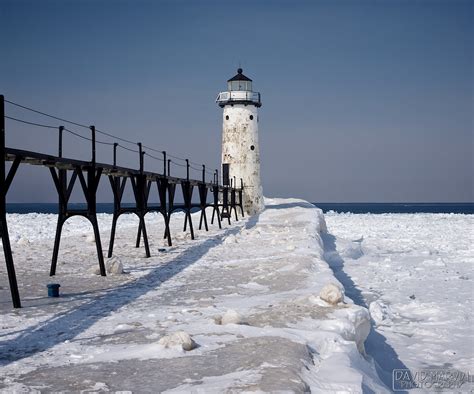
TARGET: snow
(414,273)
(247,296)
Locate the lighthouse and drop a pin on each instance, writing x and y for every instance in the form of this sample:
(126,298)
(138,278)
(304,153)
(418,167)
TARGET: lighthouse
(240,148)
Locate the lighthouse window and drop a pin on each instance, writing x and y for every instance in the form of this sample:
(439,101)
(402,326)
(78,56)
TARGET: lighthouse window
(251,117)
(252,147)
(227,117)
(234,85)
(240,85)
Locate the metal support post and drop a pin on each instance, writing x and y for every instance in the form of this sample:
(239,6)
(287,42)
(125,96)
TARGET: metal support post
(164,163)
(3,214)
(60,147)
(93,144)
(115,154)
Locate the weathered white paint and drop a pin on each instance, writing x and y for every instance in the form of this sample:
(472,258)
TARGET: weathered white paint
(239,134)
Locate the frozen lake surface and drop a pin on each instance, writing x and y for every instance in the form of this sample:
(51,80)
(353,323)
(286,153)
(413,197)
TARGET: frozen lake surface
(415,274)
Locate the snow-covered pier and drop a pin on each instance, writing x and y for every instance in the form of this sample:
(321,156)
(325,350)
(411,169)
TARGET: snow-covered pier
(249,296)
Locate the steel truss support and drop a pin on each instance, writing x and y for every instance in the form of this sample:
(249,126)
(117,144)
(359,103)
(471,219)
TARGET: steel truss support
(4,186)
(233,203)
(163,186)
(64,191)
(203,205)
(215,205)
(141,191)
(170,209)
(187,189)
(225,212)
(240,192)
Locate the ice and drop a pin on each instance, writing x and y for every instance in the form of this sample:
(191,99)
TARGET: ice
(380,313)
(411,275)
(231,317)
(332,294)
(103,333)
(178,339)
(212,384)
(114,266)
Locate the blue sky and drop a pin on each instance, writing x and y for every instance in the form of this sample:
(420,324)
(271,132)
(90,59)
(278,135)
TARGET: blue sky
(362,100)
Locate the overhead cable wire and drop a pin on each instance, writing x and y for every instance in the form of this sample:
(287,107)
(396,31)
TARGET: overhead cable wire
(69,121)
(179,158)
(181,165)
(197,169)
(104,143)
(153,157)
(45,114)
(153,149)
(196,164)
(86,138)
(176,157)
(130,150)
(77,134)
(161,151)
(31,123)
(114,136)
(170,155)
(88,127)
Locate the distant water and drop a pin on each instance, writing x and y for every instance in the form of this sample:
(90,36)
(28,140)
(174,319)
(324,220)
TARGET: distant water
(466,208)
(53,207)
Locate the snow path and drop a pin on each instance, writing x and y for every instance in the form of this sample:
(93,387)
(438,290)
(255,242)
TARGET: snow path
(415,273)
(102,333)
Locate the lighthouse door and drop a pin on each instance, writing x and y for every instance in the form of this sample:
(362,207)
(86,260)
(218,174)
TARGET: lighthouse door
(225,174)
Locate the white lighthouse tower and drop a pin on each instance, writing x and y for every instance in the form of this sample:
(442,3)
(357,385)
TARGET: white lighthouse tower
(240,149)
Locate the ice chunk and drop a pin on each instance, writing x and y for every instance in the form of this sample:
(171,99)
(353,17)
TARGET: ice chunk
(114,266)
(332,293)
(230,317)
(178,338)
(360,320)
(380,312)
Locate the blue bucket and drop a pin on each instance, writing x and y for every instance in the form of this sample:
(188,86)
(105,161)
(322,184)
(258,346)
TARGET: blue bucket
(53,289)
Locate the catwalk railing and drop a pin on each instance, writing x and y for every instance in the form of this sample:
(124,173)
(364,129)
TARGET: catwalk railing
(224,198)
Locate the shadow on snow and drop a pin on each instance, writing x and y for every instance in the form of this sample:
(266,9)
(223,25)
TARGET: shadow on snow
(66,326)
(385,357)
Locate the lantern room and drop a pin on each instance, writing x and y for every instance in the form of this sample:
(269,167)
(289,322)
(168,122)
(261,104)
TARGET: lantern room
(239,82)
(239,91)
